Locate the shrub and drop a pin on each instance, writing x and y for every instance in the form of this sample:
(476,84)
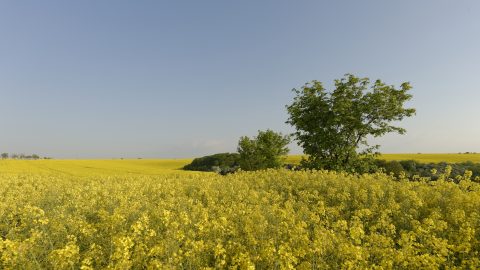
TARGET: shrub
(221,162)
(412,168)
(394,167)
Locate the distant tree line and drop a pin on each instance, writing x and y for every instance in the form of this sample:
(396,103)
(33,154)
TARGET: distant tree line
(21,156)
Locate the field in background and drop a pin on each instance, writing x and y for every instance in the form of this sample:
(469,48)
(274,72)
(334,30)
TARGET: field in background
(433,158)
(169,166)
(95,167)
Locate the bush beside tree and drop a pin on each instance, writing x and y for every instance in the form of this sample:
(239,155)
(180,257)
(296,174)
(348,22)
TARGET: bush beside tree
(221,163)
(412,168)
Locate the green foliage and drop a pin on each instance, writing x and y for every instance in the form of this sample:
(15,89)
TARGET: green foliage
(217,162)
(19,156)
(413,170)
(391,167)
(267,150)
(409,165)
(332,126)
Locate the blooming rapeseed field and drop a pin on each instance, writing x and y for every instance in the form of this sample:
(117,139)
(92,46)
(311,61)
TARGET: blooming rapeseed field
(94,167)
(434,158)
(144,215)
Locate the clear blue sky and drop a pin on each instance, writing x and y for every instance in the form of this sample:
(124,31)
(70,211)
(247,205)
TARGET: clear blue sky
(91,79)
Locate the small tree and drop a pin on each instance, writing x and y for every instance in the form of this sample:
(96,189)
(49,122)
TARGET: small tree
(4,155)
(267,150)
(332,126)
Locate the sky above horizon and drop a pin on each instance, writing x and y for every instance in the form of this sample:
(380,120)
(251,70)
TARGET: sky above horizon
(172,79)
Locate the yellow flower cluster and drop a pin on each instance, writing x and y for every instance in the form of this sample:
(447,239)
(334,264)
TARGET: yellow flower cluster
(275,219)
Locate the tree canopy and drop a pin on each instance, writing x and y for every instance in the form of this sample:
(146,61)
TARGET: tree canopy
(266,150)
(333,126)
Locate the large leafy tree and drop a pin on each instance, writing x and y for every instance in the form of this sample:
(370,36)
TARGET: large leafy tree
(333,126)
(267,150)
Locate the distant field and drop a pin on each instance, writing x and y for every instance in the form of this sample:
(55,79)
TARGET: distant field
(426,158)
(294,159)
(168,166)
(95,167)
